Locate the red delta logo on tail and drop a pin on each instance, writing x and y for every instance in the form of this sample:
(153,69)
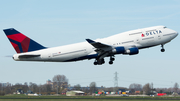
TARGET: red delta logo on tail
(20,42)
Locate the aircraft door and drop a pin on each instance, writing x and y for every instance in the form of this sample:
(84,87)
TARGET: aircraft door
(86,50)
(49,56)
(46,56)
(159,37)
(137,40)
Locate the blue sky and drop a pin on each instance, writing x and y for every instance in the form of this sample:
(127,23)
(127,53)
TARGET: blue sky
(60,22)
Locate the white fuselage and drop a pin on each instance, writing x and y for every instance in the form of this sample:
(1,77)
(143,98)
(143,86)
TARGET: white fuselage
(140,38)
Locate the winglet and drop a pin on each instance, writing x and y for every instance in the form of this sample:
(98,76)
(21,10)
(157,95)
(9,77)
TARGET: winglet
(90,41)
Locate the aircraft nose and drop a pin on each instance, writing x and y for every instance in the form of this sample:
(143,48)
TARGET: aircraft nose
(176,34)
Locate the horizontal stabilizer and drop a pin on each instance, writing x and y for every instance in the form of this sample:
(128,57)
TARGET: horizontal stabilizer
(28,56)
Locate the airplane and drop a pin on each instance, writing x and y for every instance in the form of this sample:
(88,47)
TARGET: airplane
(126,43)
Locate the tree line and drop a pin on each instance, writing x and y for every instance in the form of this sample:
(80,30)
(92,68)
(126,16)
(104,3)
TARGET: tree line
(59,85)
(148,89)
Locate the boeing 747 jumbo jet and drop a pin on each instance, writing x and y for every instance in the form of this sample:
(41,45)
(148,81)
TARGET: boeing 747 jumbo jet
(124,43)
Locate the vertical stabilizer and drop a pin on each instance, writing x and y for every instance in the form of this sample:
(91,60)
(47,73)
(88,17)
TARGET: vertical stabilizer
(20,42)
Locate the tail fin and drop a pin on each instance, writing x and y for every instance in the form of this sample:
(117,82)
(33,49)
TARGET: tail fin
(20,42)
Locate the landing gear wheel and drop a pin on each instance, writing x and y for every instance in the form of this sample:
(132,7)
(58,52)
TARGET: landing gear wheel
(110,62)
(95,63)
(99,62)
(102,61)
(162,50)
(112,59)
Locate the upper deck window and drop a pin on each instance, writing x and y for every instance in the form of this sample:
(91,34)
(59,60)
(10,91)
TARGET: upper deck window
(135,33)
(164,27)
(151,30)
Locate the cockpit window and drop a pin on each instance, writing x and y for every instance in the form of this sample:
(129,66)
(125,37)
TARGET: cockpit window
(164,27)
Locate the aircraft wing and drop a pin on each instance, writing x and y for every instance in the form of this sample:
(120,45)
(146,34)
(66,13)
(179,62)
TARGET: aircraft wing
(102,49)
(97,44)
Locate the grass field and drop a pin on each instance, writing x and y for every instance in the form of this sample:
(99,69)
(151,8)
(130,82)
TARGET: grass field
(80,100)
(83,98)
(75,100)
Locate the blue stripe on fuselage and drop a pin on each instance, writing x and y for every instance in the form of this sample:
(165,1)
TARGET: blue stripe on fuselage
(83,57)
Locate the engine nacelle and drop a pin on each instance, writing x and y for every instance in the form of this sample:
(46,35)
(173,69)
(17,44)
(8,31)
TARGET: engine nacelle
(118,50)
(132,51)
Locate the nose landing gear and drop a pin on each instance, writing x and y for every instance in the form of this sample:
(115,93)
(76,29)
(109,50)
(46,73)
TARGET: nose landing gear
(162,50)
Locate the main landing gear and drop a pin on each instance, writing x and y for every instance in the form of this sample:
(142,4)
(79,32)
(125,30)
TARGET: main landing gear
(111,60)
(162,50)
(100,62)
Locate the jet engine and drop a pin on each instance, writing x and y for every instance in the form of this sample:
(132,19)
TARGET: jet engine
(118,50)
(132,51)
